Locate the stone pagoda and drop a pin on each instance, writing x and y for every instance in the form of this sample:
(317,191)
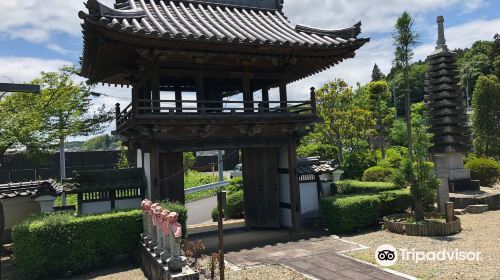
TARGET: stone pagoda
(447,118)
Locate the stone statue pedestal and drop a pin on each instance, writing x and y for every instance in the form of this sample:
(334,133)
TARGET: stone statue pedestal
(154,269)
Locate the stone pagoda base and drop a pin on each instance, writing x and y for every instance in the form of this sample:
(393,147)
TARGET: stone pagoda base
(458,177)
(155,270)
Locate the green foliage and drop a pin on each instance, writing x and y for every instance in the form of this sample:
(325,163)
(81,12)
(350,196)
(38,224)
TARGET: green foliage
(347,213)
(103,142)
(396,201)
(350,213)
(354,187)
(235,205)
(71,199)
(481,59)
(188,159)
(181,211)
(193,178)
(215,214)
(345,123)
(122,158)
(235,184)
(377,75)
(378,174)
(379,99)
(487,171)
(357,162)
(316,149)
(393,158)
(416,79)
(50,245)
(486,116)
(199,195)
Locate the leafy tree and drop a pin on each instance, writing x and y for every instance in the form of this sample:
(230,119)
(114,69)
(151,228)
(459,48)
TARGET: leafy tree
(486,116)
(377,75)
(123,162)
(188,160)
(70,111)
(345,124)
(101,143)
(22,122)
(378,103)
(405,39)
(313,145)
(416,75)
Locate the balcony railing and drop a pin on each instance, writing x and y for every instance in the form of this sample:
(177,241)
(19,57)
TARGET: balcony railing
(171,109)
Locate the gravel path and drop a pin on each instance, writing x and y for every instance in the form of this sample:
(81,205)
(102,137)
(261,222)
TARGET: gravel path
(479,233)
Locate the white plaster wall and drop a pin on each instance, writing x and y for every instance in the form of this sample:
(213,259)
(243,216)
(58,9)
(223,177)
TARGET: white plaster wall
(139,158)
(326,188)
(128,203)
(309,203)
(284,185)
(147,172)
(18,208)
(96,207)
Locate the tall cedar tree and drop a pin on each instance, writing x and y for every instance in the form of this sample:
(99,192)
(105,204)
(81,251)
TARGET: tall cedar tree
(379,99)
(377,75)
(405,40)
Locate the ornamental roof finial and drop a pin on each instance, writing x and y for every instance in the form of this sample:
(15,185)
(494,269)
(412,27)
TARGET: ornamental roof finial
(441,41)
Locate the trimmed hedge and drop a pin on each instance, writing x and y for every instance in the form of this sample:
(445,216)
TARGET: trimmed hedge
(51,245)
(378,174)
(487,171)
(353,186)
(349,213)
(56,244)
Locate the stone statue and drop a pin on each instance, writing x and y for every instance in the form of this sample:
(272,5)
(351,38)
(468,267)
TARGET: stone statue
(154,237)
(146,207)
(159,236)
(174,232)
(165,228)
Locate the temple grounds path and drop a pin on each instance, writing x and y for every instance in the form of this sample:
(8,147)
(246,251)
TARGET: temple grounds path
(480,232)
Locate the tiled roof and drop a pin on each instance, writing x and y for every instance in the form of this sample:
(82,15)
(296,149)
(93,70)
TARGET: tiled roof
(101,180)
(33,188)
(313,165)
(216,22)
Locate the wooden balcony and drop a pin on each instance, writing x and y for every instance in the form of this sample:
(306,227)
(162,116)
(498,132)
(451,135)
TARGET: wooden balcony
(182,113)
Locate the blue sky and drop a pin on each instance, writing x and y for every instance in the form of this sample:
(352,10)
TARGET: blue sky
(41,35)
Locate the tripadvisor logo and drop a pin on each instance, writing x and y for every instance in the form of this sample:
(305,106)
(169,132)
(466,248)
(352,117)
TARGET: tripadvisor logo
(387,255)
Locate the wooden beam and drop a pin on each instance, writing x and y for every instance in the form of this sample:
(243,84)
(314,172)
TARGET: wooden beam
(155,87)
(247,94)
(221,74)
(178,98)
(200,93)
(283,97)
(155,171)
(294,181)
(265,97)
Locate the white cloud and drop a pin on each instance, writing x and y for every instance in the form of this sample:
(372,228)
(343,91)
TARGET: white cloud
(25,69)
(57,48)
(376,16)
(473,5)
(36,20)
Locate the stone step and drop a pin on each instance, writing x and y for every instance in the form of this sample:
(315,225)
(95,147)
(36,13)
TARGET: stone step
(459,211)
(476,208)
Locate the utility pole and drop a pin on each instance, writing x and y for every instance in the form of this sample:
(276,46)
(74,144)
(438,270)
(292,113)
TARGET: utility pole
(220,165)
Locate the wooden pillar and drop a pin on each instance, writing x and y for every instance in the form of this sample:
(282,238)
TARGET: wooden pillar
(155,89)
(283,97)
(135,98)
(172,177)
(155,172)
(200,94)
(247,95)
(265,98)
(178,98)
(313,101)
(294,182)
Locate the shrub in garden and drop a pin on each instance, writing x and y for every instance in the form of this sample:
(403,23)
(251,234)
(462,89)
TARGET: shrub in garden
(235,184)
(235,205)
(50,245)
(353,186)
(215,213)
(378,174)
(355,163)
(487,171)
(346,213)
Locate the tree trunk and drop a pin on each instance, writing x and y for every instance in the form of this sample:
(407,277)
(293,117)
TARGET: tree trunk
(62,167)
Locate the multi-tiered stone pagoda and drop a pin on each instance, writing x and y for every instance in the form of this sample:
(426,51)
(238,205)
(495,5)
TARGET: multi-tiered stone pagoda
(447,117)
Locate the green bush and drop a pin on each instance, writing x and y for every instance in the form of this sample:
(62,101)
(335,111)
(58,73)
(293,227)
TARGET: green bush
(51,245)
(235,205)
(215,213)
(347,213)
(396,201)
(181,211)
(353,186)
(393,156)
(235,184)
(193,178)
(378,174)
(487,171)
(355,163)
